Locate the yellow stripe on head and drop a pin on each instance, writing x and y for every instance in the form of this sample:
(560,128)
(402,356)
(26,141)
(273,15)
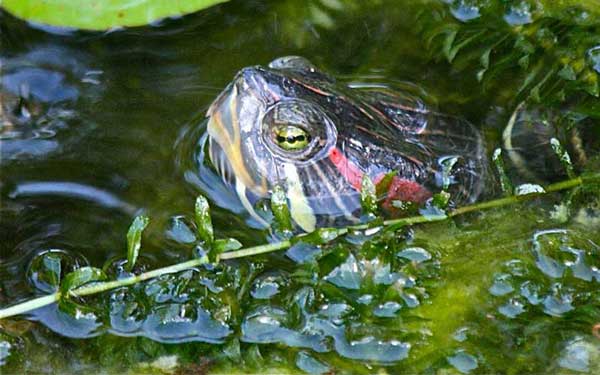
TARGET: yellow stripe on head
(226,132)
(300,209)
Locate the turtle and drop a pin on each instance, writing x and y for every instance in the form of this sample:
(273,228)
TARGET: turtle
(291,125)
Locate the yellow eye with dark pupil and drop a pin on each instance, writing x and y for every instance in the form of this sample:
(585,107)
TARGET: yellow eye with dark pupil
(291,137)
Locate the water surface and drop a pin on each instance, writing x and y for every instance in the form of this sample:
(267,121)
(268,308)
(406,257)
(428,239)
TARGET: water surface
(107,133)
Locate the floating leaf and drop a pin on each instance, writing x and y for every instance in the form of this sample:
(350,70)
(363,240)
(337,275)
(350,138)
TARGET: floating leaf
(80,277)
(134,240)
(101,15)
(281,212)
(203,221)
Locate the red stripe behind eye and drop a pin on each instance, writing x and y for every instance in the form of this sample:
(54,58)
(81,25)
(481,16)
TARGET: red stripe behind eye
(348,170)
(400,188)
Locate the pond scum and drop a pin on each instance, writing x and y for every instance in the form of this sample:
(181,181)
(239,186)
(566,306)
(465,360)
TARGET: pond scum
(173,304)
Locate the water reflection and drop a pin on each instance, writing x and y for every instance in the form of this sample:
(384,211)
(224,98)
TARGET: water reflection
(39,91)
(71,190)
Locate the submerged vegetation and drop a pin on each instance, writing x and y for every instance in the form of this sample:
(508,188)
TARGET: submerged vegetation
(511,287)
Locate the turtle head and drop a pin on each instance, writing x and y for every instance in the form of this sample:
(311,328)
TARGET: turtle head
(267,129)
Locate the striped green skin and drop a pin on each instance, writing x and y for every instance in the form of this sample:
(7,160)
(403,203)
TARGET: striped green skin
(353,132)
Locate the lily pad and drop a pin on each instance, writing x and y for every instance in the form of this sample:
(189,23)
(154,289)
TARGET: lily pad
(101,15)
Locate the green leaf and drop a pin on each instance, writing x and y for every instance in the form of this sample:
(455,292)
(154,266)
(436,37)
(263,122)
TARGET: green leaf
(80,277)
(563,156)
(383,186)
(321,236)
(53,268)
(368,197)
(203,221)
(524,45)
(485,63)
(505,183)
(485,58)
(529,78)
(101,15)
(447,164)
(226,244)
(567,73)
(590,83)
(454,49)
(441,200)
(134,240)
(281,212)
(524,62)
(448,43)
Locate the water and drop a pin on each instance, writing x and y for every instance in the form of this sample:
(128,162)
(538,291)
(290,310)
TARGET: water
(108,131)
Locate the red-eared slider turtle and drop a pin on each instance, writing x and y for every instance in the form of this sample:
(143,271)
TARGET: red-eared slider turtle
(290,124)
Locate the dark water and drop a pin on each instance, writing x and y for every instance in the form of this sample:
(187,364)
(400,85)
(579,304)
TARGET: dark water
(107,132)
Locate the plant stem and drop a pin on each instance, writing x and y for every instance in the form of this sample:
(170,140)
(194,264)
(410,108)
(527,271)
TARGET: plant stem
(99,287)
(30,305)
(261,249)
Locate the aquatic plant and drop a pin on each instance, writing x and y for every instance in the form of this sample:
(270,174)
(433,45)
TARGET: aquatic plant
(548,48)
(90,280)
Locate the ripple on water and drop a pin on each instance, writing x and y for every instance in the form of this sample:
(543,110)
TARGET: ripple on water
(48,267)
(555,281)
(184,322)
(38,92)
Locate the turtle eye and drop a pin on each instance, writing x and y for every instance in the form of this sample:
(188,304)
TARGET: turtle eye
(291,137)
